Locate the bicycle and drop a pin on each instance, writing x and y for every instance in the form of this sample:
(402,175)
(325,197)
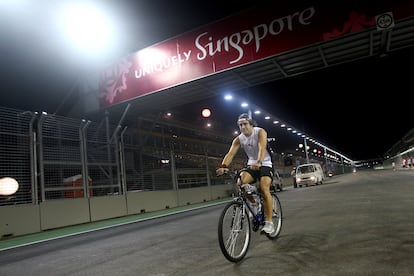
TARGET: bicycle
(238,219)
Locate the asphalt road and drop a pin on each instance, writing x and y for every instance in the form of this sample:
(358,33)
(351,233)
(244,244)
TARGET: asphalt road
(356,224)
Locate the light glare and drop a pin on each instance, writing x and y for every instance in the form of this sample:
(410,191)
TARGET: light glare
(87,28)
(8,186)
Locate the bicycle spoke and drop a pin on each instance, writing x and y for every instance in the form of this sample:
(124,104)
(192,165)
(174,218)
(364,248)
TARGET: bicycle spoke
(234,232)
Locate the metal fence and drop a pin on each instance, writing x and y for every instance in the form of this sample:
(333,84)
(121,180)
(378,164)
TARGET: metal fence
(169,157)
(54,157)
(16,154)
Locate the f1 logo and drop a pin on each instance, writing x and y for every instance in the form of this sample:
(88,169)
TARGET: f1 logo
(384,21)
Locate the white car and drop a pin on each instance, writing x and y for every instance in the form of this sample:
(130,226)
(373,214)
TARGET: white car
(309,174)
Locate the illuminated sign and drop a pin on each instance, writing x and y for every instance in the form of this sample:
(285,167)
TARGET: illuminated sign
(247,37)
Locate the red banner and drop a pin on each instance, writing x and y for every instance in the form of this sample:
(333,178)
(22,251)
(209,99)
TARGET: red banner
(247,37)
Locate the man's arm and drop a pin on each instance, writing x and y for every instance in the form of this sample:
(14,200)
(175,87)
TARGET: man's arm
(228,158)
(262,146)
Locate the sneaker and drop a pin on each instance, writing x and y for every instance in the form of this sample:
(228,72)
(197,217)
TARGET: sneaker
(269,227)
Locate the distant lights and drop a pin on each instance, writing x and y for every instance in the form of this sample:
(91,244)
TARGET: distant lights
(228,97)
(167,115)
(8,186)
(245,104)
(206,112)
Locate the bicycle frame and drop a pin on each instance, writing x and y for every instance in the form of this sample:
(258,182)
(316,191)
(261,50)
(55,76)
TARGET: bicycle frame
(258,218)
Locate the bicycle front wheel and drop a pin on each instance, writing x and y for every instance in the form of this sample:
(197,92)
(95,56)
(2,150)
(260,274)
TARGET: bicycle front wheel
(276,217)
(234,231)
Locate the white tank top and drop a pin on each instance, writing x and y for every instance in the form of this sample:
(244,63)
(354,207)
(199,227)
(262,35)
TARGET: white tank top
(250,145)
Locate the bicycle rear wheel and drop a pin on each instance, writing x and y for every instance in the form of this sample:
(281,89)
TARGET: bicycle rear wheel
(234,231)
(276,217)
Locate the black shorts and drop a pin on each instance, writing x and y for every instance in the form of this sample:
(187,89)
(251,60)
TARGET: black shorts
(257,174)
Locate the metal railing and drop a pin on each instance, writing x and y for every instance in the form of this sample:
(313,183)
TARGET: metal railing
(54,157)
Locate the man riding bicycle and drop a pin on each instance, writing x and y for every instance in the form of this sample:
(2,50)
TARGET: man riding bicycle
(253,140)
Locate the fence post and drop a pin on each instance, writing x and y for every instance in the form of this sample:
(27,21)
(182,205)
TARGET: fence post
(84,157)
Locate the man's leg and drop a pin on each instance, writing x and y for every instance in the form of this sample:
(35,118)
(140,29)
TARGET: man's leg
(265,182)
(246,178)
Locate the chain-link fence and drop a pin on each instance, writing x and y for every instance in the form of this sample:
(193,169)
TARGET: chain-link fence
(54,157)
(16,155)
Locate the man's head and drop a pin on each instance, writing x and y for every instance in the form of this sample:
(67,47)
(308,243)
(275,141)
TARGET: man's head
(245,123)
(244,117)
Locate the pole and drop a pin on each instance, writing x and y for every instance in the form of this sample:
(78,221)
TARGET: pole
(306,150)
